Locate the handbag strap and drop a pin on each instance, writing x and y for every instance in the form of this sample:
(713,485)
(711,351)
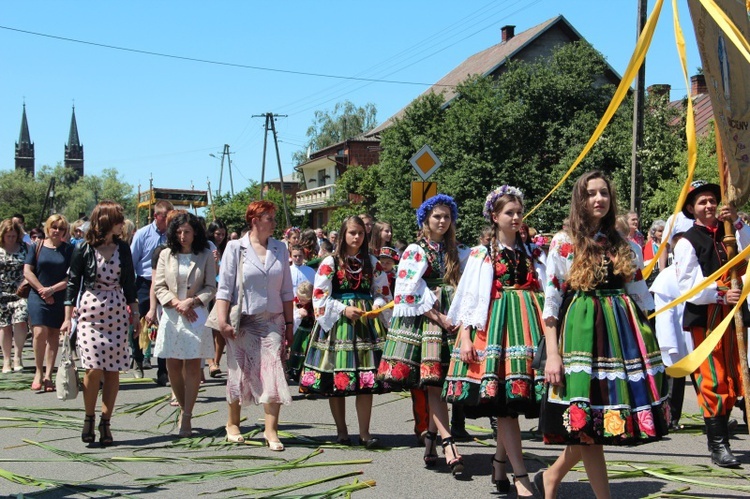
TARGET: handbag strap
(240,282)
(37,250)
(65,354)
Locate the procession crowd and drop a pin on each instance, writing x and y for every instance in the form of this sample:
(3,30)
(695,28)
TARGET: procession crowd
(515,326)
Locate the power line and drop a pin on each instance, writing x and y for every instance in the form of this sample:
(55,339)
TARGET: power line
(217,63)
(405,63)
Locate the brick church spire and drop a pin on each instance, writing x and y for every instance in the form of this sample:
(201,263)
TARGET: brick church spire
(24,147)
(74,149)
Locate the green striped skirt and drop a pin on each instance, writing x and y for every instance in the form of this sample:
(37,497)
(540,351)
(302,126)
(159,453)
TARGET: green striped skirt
(615,389)
(502,383)
(417,352)
(344,360)
(298,351)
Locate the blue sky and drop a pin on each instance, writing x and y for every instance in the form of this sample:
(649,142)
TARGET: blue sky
(147,115)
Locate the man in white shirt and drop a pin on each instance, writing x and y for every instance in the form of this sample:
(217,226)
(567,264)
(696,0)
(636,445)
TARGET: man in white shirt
(300,271)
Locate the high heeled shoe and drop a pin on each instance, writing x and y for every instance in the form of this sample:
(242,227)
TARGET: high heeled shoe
(457,463)
(234,438)
(503,486)
(430,454)
(105,435)
(88,435)
(539,481)
(531,486)
(275,446)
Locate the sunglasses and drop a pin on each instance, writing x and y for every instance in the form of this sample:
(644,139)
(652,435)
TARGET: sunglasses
(61,228)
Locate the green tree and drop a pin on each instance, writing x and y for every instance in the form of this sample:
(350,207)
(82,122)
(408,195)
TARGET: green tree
(231,209)
(19,193)
(668,191)
(524,128)
(354,194)
(25,194)
(343,122)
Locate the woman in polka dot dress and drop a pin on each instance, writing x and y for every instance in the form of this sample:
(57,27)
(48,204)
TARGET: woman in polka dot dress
(102,266)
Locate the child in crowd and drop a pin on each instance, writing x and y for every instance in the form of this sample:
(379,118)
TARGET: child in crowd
(388,259)
(300,272)
(304,319)
(326,248)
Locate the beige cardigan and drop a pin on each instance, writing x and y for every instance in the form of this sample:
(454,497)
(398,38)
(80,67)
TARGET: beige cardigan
(201,278)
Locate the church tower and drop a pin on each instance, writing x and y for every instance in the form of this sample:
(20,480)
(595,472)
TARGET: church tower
(74,149)
(24,147)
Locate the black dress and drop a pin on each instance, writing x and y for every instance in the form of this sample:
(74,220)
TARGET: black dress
(50,268)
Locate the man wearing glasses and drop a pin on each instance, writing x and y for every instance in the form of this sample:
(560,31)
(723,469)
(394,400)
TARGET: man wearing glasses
(145,241)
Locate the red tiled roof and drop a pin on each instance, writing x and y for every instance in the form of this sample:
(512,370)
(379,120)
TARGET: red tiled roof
(702,110)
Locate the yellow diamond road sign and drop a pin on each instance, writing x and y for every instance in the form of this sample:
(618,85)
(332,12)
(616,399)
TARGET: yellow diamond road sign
(425,162)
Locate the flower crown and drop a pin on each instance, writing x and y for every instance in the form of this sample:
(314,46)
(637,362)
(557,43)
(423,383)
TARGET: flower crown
(425,208)
(497,193)
(290,230)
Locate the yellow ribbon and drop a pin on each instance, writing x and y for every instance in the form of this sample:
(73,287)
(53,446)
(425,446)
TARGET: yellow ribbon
(694,359)
(691,141)
(705,283)
(636,60)
(728,27)
(377,311)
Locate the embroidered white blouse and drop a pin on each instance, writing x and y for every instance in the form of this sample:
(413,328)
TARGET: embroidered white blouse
(328,310)
(474,292)
(412,296)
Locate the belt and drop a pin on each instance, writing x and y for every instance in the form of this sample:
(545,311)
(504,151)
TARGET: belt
(351,296)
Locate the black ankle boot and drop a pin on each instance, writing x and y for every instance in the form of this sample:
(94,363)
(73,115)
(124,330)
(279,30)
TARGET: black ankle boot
(717,434)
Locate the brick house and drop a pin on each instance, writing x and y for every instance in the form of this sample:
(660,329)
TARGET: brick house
(322,169)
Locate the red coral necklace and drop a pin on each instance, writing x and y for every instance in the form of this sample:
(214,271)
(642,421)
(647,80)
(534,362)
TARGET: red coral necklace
(353,269)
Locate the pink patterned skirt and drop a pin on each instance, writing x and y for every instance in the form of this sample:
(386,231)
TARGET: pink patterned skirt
(256,371)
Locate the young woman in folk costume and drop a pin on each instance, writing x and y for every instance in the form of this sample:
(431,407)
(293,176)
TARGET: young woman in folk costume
(344,351)
(604,367)
(417,351)
(498,304)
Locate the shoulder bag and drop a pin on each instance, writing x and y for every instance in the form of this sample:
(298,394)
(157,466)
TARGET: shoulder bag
(235,313)
(66,382)
(25,287)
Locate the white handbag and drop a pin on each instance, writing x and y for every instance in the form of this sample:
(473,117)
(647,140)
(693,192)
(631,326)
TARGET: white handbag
(66,381)
(235,312)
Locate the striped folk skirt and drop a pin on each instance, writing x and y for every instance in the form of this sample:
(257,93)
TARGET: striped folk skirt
(615,388)
(298,351)
(344,360)
(502,383)
(417,352)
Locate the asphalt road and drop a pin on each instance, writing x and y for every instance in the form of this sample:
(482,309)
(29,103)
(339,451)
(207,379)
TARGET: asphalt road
(228,471)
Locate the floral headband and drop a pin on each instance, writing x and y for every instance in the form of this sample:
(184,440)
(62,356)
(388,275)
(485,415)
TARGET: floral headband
(498,193)
(289,231)
(425,208)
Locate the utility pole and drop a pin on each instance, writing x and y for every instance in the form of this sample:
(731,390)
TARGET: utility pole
(225,154)
(270,125)
(636,170)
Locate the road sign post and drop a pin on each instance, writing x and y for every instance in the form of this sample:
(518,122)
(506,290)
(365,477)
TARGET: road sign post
(425,162)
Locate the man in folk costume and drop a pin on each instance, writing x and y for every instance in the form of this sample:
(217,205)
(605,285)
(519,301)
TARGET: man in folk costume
(697,255)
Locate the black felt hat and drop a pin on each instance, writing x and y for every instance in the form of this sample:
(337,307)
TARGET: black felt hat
(696,188)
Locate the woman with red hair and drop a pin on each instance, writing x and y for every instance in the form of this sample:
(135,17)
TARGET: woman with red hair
(256,347)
